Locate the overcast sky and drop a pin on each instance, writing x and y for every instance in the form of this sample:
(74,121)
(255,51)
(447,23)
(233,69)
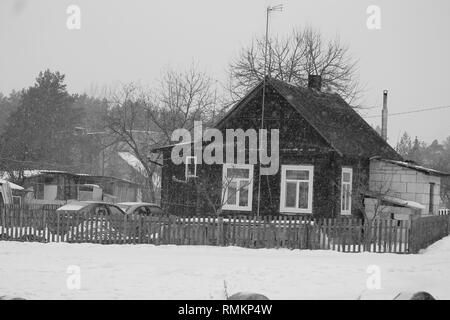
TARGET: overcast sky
(123,40)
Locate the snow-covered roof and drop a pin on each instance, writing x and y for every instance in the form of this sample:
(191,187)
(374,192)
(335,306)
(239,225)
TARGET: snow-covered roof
(73,206)
(136,203)
(395,200)
(414,166)
(33,173)
(404,203)
(133,162)
(12,185)
(76,205)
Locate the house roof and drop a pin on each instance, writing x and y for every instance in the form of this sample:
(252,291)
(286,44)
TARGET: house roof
(333,118)
(35,173)
(133,161)
(395,200)
(414,166)
(12,185)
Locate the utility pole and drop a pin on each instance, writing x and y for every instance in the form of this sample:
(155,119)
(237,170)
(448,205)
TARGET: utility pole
(384,116)
(268,11)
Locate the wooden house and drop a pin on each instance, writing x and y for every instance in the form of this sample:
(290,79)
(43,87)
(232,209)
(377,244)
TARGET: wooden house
(325,149)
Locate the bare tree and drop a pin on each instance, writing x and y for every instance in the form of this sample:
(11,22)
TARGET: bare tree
(292,59)
(214,201)
(217,203)
(379,191)
(126,121)
(181,98)
(143,118)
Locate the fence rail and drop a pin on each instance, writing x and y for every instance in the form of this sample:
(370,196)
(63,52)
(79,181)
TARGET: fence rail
(341,234)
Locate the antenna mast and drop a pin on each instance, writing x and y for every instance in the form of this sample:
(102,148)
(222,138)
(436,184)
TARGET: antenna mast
(268,11)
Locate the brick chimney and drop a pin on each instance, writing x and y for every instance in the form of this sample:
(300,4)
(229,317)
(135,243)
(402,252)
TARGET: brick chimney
(315,82)
(384,116)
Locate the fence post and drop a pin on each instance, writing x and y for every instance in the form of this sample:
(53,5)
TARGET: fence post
(3,217)
(220,231)
(44,224)
(413,234)
(448,224)
(367,235)
(58,232)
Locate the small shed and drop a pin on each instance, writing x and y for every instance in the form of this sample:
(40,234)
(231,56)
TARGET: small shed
(408,182)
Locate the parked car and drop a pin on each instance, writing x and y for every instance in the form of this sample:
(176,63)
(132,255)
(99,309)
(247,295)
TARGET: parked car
(136,210)
(141,208)
(93,207)
(87,219)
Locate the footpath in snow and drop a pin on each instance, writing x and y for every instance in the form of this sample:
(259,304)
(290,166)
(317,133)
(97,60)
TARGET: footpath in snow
(43,271)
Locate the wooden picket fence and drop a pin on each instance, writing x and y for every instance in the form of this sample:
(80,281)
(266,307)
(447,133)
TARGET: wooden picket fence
(341,234)
(427,230)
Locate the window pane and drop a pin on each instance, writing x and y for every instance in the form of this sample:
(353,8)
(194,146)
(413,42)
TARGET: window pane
(243,193)
(346,177)
(100,210)
(291,189)
(115,212)
(345,197)
(237,173)
(231,196)
(191,167)
(155,210)
(303,195)
(141,211)
(343,205)
(297,174)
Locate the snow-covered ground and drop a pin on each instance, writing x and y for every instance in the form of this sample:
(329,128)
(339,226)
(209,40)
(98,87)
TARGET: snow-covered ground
(40,271)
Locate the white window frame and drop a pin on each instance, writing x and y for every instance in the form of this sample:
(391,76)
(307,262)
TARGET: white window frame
(346,170)
(283,208)
(186,172)
(237,207)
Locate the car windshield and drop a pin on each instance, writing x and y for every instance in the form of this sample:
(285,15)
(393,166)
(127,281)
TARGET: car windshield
(124,207)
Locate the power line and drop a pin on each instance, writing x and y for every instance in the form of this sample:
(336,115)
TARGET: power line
(43,163)
(408,112)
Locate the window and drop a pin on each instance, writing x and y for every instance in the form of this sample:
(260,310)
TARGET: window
(346,190)
(141,211)
(191,167)
(115,212)
(154,210)
(296,189)
(100,210)
(237,186)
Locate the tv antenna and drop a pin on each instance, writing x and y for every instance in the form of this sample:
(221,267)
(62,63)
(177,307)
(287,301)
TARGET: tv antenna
(269,9)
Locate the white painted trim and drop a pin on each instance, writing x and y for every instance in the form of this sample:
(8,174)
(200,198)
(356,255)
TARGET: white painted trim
(283,208)
(237,207)
(346,170)
(187,176)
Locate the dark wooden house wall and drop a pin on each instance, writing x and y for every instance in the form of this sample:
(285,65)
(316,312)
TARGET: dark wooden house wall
(299,144)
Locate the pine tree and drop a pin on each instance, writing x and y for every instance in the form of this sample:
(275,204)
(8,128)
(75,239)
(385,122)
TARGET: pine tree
(404,146)
(40,133)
